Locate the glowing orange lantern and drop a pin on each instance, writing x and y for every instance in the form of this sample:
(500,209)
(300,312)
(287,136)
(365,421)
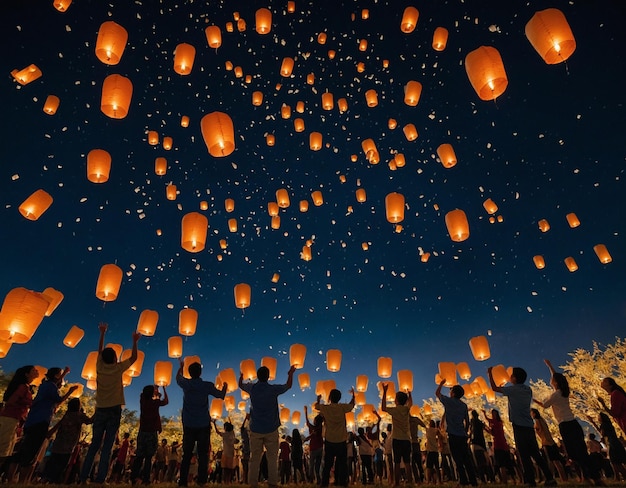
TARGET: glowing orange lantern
(51,104)
(175,347)
(333,360)
(242,292)
(213,36)
(304,380)
(218,133)
(394,207)
(170,192)
(184,56)
(229,27)
(184,121)
(188,361)
(286,67)
(539,262)
(447,371)
(26,75)
(384,367)
(464,371)
(409,20)
(272,209)
(229,205)
(162,373)
(306,253)
(117,92)
(410,132)
(89,367)
(111,42)
(500,375)
(282,198)
(147,322)
(228,376)
(160,166)
(291,6)
(361,383)
(285,414)
(35,205)
(490,206)
(275,224)
(98,165)
(194,228)
(216,409)
(486,73)
(304,205)
(371,98)
(167,143)
(232,225)
(269,363)
(440,38)
(480,348)
(297,354)
(603,253)
(300,107)
(187,322)
(412,93)
(457,224)
(62,6)
(405,380)
(229,403)
(570,262)
(21,314)
(544,226)
(135,368)
(361,196)
(551,36)
(270,140)
(572,220)
(315,141)
(54,298)
(318,199)
(263,19)
(392,124)
(447,156)
(248,369)
(285,111)
(327,101)
(109,282)
(321,38)
(425,257)
(257,98)
(153,137)
(73,336)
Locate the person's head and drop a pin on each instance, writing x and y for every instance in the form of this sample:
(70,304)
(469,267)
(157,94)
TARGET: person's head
(474,414)
(73,405)
(334,396)
(317,420)
(495,414)
(228,427)
(457,391)
(195,370)
(518,376)
(559,382)
(108,355)
(263,374)
(54,375)
(148,392)
(609,385)
(432,423)
(534,413)
(604,418)
(164,442)
(592,437)
(22,376)
(401,398)
(361,431)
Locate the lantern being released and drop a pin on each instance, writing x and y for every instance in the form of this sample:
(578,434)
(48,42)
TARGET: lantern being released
(109,282)
(480,348)
(187,322)
(175,347)
(218,133)
(147,322)
(297,354)
(162,373)
(22,312)
(551,36)
(74,336)
(486,73)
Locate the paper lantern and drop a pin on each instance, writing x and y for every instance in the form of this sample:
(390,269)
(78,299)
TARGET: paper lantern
(213,36)
(409,20)
(229,403)
(89,367)
(275,224)
(167,143)
(232,225)
(91,384)
(194,228)
(153,137)
(73,336)
(187,322)
(285,415)
(412,93)
(384,367)
(263,21)
(486,73)
(216,409)
(464,371)
(394,207)
(136,367)
(572,220)
(291,6)
(175,347)
(242,293)
(306,253)
(342,105)
(241,406)
(457,224)
(318,199)
(163,373)
(300,107)
(551,36)
(228,376)
(363,45)
(78,391)
(603,253)
(490,206)
(35,205)
(361,383)
(257,98)
(51,104)
(304,380)
(440,38)
(275,278)
(270,363)
(54,298)
(482,384)
(447,156)
(295,418)
(229,205)
(285,111)
(405,380)
(117,92)
(327,101)
(570,262)
(410,132)
(298,125)
(62,6)
(297,354)
(184,56)
(98,165)
(371,98)
(286,67)
(321,38)
(304,205)
(229,27)
(248,369)
(282,198)
(400,160)
(170,192)
(109,282)
(21,314)
(160,166)
(26,75)
(315,141)
(425,257)
(218,133)
(544,226)
(539,262)
(333,360)
(147,322)
(184,121)
(111,42)
(359,399)
(500,376)
(447,371)
(241,25)
(480,348)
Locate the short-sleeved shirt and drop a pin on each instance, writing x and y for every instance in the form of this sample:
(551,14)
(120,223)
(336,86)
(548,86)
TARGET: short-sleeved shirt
(520,396)
(44,404)
(400,422)
(431,439)
(264,416)
(456,414)
(335,420)
(196,393)
(560,407)
(109,388)
(17,406)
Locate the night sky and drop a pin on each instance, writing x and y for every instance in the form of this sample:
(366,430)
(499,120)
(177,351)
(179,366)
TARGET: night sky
(551,144)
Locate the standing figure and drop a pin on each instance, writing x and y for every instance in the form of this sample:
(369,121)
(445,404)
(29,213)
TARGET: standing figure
(617,410)
(401,433)
(548,444)
(316,446)
(228,450)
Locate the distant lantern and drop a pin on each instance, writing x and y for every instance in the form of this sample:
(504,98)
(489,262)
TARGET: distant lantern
(365,246)
(35,205)
(333,360)
(21,314)
(425,257)
(213,36)
(229,403)
(187,322)
(270,139)
(242,292)
(218,133)
(257,98)
(272,209)
(263,21)
(551,36)
(285,111)
(153,137)
(410,132)
(310,80)
(394,207)
(304,380)
(291,6)
(539,261)
(229,27)
(223,244)
(232,225)
(371,98)
(572,220)
(241,406)
(300,107)
(392,124)
(26,75)
(490,206)
(295,417)
(464,371)
(285,415)
(405,380)
(327,101)
(167,143)
(412,93)
(89,366)
(117,92)
(275,224)
(486,73)
(73,336)
(361,196)
(321,38)
(194,228)
(217,408)
(229,205)
(111,42)
(241,25)
(184,56)
(304,206)
(603,253)
(228,376)
(363,45)
(361,383)
(282,198)
(286,67)
(109,282)
(317,197)
(98,166)
(570,262)
(160,166)
(480,348)
(54,298)
(275,278)
(440,38)
(269,363)
(447,371)
(384,367)
(62,6)
(162,373)
(306,253)
(447,156)
(297,354)
(147,322)
(170,192)
(457,224)
(184,121)
(342,105)
(409,20)
(500,375)
(51,104)
(315,141)
(360,399)
(544,226)
(248,369)
(331,54)
(175,347)
(298,125)
(400,160)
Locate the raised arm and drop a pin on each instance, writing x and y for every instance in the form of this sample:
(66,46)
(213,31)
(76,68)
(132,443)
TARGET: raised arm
(494,387)
(439,387)
(223,391)
(317,402)
(165,400)
(290,376)
(306,418)
(352,400)
(383,403)
(409,402)
(133,353)
(550,367)
(181,365)
(102,327)
(240,380)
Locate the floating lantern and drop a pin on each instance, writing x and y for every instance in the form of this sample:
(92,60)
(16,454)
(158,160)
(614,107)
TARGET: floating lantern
(371,98)
(603,253)
(446,155)
(62,6)
(400,160)
(229,403)
(275,224)
(315,141)
(361,196)
(464,371)
(282,198)
(285,414)
(213,36)
(26,75)
(333,360)
(410,132)
(51,104)
(544,226)
(394,207)
(109,282)
(228,376)
(412,93)
(359,399)
(272,209)
(457,224)
(111,42)
(286,67)
(304,206)
(21,314)
(117,92)
(440,38)
(270,363)
(216,409)
(409,20)
(486,73)
(170,192)
(392,124)
(425,257)
(184,56)
(405,380)
(218,134)
(480,348)
(361,383)
(54,298)
(285,111)
(291,6)
(297,354)
(242,292)
(570,262)
(184,121)
(295,418)
(321,38)
(187,322)
(539,262)
(275,278)
(572,220)
(98,166)
(447,371)
(490,206)
(135,368)
(147,322)
(384,367)
(194,228)
(317,197)
(551,36)
(257,98)
(89,367)
(78,391)
(270,140)
(248,369)
(500,375)
(175,347)
(229,27)
(263,21)
(342,105)
(160,166)
(153,137)
(327,101)
(163,373)
(35,205)
(232,225)
(167,143)
(304,380)
(306,253)
(73,336)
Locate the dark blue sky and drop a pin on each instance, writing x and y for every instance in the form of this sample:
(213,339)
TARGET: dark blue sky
(550,145)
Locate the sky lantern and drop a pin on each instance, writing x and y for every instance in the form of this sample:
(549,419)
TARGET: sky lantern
(298,124)
(315,141)
(61,6)
(35,205)
(282,198)
(285,415)
(22,312)
(232,225)
(238,72)
(117,92)
(570,262)
(216,408)
(360,398)
(270,363)
(229,205)
(410,132)
(392,124)
(51,104)
(270,139)
(304,381)
(194,228)
(136,367)
(73,336)
(26,75)
(153,137)
(371,98)
(361,383)
(361,195)
(167,143)
(184,56)
(160,166)
(572,220)
(218,133)
(490,206)
(464,371)
(480,348)
(500,375)
(446,155)
(242,292)
(147,322)
(412,93)
(54,297)
(272,209)
(400,160)
(275,223)
(89,366)
(291,6)
(98,165)
(111,42)
(297,354)
(229,403)
(486,73)
(333,360)
(241,25)
(409,20)
(440,38)
(405,380)
(228,376)
(213,36)
(447,371)
(327,101)
(263,21)
(394,207)
(457,224)
(539,261)
(295,417)
(175,347)
(171,192)
(229,27)
(285,111)
(163,373)
(286,67)
(304,206)
(300,107)
(321,38)
(275,278)
(187,322)
(78,391)
(184,121)
(318,198)
(241,406)
(384,367)
(551,36)
(363,45)
(342,105)
(425,257)
(544,226)
(248,369)
(257,98)
(603,253)
(109,282)
(306,255)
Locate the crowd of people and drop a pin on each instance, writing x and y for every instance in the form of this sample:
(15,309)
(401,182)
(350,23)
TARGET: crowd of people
(454,447)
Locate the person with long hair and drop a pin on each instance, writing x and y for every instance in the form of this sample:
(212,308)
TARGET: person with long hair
(548,444)
(316,446)
(617,452)
(501,450)
(297,456)
(617,410)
